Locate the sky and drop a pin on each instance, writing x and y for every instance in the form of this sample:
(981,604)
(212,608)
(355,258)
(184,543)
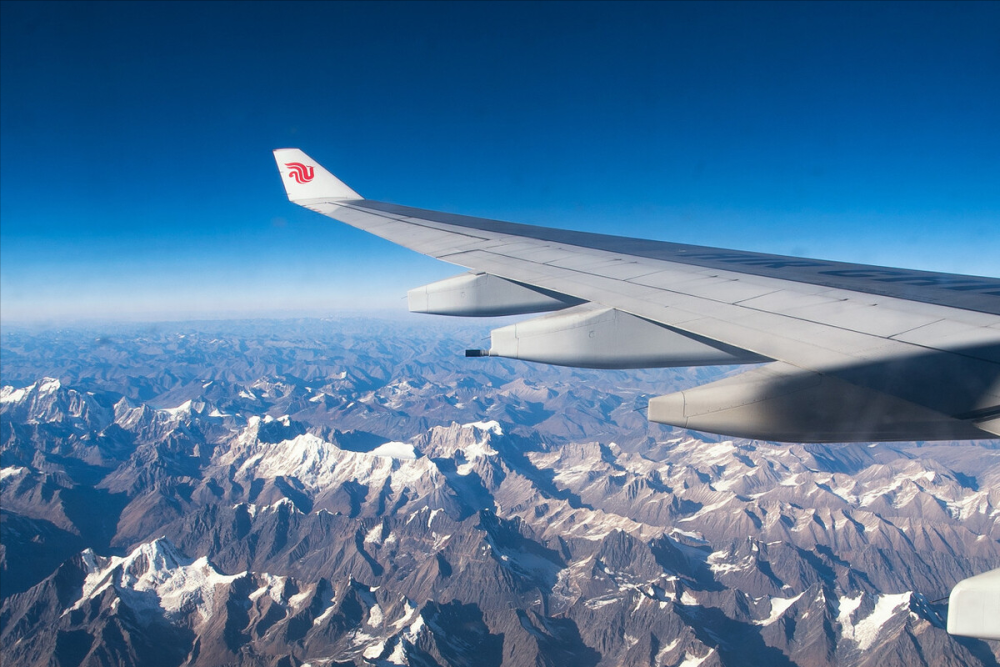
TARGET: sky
(137,183)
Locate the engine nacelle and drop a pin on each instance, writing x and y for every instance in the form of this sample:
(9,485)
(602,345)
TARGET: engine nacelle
(484,295)
(592,336)
(974,607)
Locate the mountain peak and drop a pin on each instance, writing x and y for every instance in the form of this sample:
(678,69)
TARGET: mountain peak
(492,426)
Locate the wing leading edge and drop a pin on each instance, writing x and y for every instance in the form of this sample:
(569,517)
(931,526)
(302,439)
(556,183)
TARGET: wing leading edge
(850,352)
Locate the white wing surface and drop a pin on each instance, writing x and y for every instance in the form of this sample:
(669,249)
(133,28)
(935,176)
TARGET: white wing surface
(842,352)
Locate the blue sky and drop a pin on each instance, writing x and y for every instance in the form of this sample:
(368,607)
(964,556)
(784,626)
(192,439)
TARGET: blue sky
(136,179)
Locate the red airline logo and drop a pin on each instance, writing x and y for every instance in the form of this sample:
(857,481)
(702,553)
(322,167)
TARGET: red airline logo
(300,172)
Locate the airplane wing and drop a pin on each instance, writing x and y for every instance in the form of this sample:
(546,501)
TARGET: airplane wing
(839,352)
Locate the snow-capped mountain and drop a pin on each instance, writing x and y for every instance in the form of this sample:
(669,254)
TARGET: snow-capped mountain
(344,493)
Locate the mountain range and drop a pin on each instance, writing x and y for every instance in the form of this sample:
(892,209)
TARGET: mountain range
(354,491)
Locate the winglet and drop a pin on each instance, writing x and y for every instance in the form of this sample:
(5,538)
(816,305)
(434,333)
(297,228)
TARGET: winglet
(305,179)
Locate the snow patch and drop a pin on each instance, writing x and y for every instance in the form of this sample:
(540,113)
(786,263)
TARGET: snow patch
(716,562)
(408,611)
(694,661)
(396,450)
(10,395)
(272,586)
(374,651)
(49,385)
(414,630)
(697,537)
(11,471)
(848,606)
(778,607)
(298,599)
(491,425)
(667,648)
(866,631)
(374,535)
(597,603)
(251,508)
(181,410)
